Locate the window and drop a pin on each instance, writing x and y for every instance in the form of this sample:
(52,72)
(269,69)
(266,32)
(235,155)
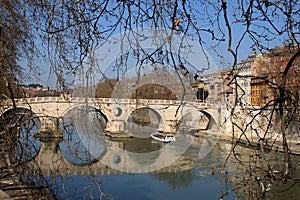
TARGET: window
(295,80)
(274,69)
(281,68)
(269,68)
(281,58)
(296,67)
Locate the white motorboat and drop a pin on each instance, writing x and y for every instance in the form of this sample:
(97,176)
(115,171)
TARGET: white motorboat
(163,137)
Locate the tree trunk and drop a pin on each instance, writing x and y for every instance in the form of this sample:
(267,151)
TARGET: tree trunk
(284,137)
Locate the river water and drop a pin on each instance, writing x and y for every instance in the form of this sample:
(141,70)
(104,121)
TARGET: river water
(190,176)
(89,165)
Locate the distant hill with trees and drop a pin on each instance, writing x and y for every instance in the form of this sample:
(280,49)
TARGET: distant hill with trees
(147,91)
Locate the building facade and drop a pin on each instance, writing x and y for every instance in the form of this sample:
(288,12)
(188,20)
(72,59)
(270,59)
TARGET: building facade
(243,80)
(218,85)
(256,80)
(267,74)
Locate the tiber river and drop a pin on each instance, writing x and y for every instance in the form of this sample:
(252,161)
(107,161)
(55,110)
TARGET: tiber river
(85,164)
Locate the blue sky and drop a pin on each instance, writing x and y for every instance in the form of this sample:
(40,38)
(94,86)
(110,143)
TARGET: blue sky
(219,54)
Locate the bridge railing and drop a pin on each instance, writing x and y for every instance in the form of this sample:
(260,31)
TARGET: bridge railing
(60,99)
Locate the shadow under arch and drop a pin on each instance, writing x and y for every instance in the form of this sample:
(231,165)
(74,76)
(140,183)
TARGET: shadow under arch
(195,120)
(143,121)
(19,127)
(83,135)
(212,125)
(210,134)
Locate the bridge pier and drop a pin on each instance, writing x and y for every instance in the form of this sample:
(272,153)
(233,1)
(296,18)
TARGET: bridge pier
(170,126)
(50,127)
(117,129)
(117,126)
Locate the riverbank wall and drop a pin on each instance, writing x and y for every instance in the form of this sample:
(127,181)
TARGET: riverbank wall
(256,126)
(274,144)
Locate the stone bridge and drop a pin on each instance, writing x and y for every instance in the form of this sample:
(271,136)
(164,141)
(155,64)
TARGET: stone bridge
(172,114)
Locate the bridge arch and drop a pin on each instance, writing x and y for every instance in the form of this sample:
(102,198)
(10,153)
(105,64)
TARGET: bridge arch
(195,119)
(213,120)
(156,112)
(144,120)
(85,125)
(17,115)
(75,106)
(21,124)
(88,112)
(18,108)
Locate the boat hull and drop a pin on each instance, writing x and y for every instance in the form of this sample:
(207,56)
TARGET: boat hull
(161,137)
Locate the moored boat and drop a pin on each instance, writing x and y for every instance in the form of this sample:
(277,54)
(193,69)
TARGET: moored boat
(163,137)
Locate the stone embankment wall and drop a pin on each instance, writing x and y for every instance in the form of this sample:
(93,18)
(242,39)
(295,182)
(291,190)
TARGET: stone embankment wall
(252,125)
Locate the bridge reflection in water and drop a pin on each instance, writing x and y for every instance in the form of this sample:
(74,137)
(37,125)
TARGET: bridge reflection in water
(84,144)
(174,181)
(135,155)
(85,150)
(70,161)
